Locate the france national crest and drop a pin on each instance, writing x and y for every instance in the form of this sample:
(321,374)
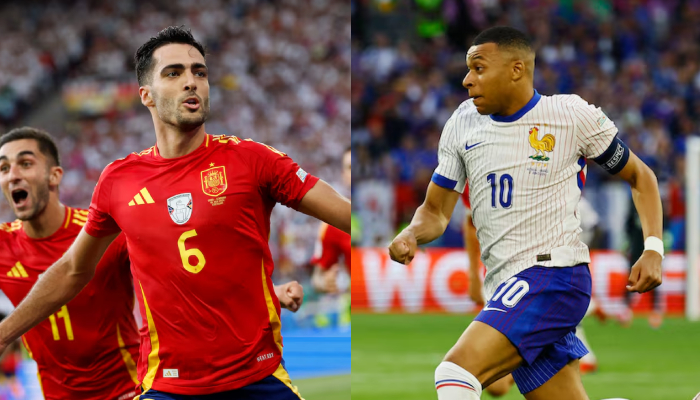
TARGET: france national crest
(180,207)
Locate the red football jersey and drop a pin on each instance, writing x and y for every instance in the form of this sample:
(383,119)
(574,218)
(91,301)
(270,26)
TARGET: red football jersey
(332,244)
(197,230)
(86,350)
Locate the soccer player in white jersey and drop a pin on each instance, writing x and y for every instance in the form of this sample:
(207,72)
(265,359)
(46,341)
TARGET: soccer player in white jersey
(524,155)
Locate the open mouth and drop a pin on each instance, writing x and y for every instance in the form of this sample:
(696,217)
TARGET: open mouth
(19,197)
(192,103)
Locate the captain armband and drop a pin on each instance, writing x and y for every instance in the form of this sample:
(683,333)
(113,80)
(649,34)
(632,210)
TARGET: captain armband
(615,157)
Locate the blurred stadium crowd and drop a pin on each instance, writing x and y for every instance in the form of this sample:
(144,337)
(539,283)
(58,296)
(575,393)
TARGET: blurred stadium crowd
(279,74)
(638,60)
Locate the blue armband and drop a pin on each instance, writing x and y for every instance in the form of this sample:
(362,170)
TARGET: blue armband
(615,157)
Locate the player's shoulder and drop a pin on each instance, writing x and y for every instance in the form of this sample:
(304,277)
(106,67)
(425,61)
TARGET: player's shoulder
(133,159)
(568,101)
(244,146)
(465,115)
(9,231)
(466,110)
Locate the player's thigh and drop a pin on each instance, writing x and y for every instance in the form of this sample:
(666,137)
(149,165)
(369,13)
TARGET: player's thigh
(485,352)
(501,387)
(566,384)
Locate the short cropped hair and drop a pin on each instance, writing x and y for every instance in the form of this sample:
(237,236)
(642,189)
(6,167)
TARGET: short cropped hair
(46,143)
(504,36)
(144,55)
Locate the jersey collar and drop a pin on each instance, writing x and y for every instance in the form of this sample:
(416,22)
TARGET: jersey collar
(512,118)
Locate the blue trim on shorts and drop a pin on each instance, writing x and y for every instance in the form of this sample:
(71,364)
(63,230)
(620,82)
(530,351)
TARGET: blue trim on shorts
(540,321)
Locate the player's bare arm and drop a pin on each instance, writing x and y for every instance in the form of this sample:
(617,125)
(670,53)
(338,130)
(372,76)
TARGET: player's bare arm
(56,287)
(646,272)
(290,295)
(326,204)
(428,223)
(473,253)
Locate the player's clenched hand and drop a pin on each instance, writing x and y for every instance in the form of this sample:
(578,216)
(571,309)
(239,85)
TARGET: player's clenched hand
(404,246)
(291,296)
(646,273)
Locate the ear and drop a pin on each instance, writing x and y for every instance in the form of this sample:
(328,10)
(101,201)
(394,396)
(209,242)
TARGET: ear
(146,97)
(55,176)
(518,70)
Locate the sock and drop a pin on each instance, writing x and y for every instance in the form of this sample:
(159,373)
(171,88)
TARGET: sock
(455,383)
(590,357)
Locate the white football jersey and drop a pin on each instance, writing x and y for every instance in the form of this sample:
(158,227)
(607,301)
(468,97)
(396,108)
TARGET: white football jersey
(525,174)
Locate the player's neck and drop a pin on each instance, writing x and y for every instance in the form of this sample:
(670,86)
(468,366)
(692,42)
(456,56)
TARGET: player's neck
(519,99)
(173,143)
(47,222)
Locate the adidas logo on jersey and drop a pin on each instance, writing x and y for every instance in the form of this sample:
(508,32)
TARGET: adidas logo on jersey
(18,271)
(143,197)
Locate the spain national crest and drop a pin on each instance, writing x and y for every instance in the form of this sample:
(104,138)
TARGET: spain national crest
(180,207)
(214,181)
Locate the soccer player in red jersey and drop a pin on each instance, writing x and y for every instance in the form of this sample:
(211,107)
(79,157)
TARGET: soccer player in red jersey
(332,243)
(195,210)
(86,349)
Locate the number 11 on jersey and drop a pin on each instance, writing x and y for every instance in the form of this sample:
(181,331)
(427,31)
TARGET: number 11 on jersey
(63,313)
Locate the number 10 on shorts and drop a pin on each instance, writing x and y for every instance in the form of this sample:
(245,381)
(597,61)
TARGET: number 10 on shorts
(512,291)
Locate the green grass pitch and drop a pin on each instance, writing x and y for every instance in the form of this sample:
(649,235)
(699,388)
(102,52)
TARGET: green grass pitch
(394,357)
(325,388)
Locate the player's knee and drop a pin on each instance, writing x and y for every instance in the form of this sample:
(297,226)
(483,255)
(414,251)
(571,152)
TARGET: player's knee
(454,382)
(497,390)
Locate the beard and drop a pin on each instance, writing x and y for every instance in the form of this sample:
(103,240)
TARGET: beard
(169,112)
(39,203)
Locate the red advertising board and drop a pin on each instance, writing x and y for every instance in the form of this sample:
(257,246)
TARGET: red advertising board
(437,281)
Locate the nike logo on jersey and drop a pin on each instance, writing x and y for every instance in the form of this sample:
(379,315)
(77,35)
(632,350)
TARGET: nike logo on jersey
(146,199)
(17,271)
(487,308)
(467,147)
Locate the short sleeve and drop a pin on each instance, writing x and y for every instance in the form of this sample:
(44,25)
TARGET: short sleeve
(100,223)
(283,179)
(595,131)
(450,172)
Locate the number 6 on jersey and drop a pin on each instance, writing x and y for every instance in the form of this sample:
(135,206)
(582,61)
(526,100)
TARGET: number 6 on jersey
(185,254)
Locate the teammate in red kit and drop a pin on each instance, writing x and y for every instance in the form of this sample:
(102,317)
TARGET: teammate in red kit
(86,349)
(195,210)
(331,245)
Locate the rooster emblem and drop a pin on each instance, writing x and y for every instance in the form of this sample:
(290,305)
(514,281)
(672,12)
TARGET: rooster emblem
(541,145)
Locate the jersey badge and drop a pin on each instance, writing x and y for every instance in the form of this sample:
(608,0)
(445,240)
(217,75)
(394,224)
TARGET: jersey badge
(542,147)
(214,181)
(180,207)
